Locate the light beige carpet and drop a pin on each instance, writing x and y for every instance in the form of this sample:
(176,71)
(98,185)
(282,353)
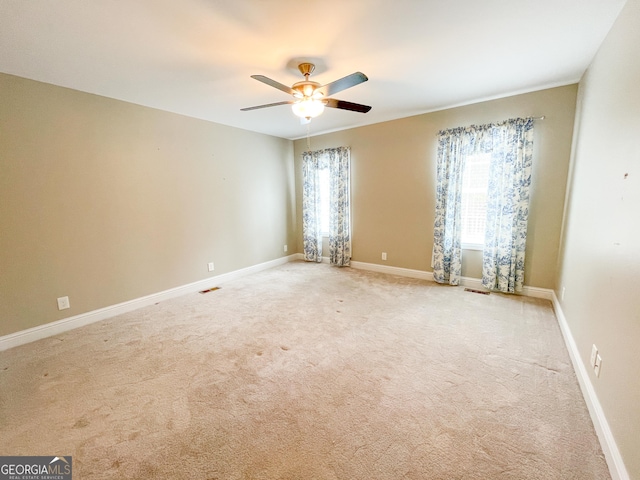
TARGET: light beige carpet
(307,371)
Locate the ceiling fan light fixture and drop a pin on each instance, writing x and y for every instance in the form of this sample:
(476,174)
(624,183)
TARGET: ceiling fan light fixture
(308,108)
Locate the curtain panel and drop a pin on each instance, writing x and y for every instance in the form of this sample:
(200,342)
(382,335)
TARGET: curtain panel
(339,206)
(337,161)
(510,144)
(447,251)
(311,235)
(508,206)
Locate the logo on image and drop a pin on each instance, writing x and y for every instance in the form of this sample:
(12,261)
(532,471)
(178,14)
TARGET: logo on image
(35,468)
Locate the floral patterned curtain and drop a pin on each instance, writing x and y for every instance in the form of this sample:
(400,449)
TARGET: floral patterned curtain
(447,252)
(337,161)
(339,206)
(508,205)
(311,235)
(510,144)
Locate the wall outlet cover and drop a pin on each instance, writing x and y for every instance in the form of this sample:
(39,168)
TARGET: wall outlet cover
(63,303)
(598,365)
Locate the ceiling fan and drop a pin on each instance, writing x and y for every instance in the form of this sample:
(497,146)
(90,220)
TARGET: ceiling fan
(310,97)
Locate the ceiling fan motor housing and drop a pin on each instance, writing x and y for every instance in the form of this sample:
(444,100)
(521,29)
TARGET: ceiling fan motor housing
(304,89)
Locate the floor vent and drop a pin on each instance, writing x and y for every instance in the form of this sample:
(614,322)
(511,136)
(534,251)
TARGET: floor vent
(210,290)
(476,291)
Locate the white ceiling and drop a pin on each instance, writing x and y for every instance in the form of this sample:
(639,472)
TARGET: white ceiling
(195,57)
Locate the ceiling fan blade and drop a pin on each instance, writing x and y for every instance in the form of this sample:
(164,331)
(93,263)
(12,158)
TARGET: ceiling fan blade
(342,84)
(273,83)
(354,107)
(267,105)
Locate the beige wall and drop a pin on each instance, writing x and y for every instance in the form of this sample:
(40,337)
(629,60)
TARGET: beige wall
(600,264)
(106,201)
(393,181)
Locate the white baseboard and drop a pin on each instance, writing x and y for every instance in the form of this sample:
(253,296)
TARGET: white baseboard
(54,328)
(402,272)
(538,292)
(616,465)
(464,281)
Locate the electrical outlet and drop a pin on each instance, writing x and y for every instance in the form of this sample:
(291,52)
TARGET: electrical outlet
(384,255)
(598,365)
(210,266)
(63,303)
(285,248)
(594,353)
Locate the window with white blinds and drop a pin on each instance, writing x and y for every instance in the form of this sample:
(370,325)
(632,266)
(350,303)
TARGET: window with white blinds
(475,183)
(324,201)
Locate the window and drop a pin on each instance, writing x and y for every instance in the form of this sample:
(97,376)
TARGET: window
(326,205)
(324,201)
(475,184)
(465,196)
